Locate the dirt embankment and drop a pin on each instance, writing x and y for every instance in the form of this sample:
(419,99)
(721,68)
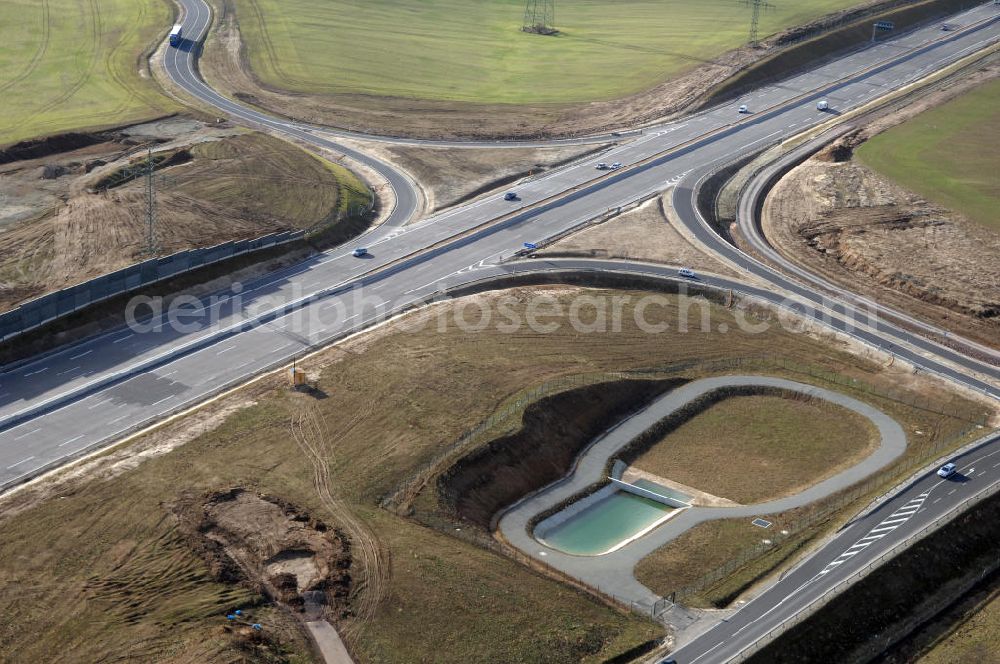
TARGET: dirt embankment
(43,147)
(227,68)
(61,223)
(271,546)
(553,433)
(647,233)
(912,588)
(856,228)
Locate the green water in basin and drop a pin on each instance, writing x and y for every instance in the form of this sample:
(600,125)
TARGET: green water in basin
(602,526)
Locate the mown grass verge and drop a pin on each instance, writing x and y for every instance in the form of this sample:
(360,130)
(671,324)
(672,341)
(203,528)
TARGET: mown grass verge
(753,447)
(457,51)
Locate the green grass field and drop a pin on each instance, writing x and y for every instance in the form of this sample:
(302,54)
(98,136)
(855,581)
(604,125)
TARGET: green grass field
(949,155)
(475,52)
(262,175)
(70,64)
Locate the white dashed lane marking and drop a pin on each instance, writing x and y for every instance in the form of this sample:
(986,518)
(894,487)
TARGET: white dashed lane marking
(887,525)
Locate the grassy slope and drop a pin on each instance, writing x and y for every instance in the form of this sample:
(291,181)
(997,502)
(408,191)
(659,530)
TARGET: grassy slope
(68,64)
(712,545)
(234,188)
(974,641)
(261,175)
(449,601)
(752,448)
(949,154)
(461,51)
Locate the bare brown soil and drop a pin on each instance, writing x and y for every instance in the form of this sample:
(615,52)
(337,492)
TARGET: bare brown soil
(553,433)
(856,228)
(273,547)
(449,176)
(647,233)
(96,542)
(226,68)
(57,230)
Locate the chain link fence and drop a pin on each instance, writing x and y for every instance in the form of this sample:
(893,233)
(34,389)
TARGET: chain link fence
(846,583)
(756,559)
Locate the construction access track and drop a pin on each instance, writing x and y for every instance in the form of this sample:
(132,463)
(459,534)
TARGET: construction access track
(67,403)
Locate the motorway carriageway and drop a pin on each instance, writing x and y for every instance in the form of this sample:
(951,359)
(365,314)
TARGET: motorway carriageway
(852,549)
(90,393)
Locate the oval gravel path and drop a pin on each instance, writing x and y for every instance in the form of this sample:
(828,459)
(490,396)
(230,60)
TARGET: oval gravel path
(612,573)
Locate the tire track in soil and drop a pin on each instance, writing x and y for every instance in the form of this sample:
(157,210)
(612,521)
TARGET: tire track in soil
(371,561)
(43,48)
(95,34)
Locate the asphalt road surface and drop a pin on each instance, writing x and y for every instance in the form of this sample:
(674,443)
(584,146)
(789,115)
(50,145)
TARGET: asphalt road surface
(854,547)
(86,395)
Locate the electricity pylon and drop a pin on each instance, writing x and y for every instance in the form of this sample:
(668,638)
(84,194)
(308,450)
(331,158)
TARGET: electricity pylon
(540,17)
(151,247)
(756,6)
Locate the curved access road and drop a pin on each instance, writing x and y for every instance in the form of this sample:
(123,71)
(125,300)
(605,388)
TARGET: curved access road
(182,67)
(614,571)
(748,217)
(846,83)
(86,395)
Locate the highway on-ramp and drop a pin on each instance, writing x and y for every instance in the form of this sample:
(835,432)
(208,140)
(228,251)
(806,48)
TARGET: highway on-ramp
(854,548)
(86,395)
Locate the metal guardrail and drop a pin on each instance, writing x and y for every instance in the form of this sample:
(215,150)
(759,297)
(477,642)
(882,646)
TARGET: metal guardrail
(815,605)
(646,493)
(52,306)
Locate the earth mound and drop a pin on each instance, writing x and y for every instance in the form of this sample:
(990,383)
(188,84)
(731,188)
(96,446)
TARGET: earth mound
(272,546)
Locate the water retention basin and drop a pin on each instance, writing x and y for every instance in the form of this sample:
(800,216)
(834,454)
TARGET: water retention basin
(602,522)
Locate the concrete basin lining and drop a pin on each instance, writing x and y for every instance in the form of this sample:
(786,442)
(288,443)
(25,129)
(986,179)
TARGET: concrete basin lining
(615,568)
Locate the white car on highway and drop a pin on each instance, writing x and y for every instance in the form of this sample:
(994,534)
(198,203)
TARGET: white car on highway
(744,109)
(359,252)
(947,470)
(687,273)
